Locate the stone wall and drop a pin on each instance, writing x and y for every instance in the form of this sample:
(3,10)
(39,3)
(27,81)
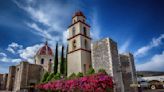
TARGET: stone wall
(128,72)
(105,56)
(11,77)
(47,63)
(23,76)
(3,81)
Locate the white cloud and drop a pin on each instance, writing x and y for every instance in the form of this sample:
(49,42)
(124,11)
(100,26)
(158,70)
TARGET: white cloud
(125,46)
(51,14)
(65,36)
(5,58)
(2,54)
(13,47)
(95,27)
(40,31)
(25,54)
(154,43)
(29,52)
(156,63)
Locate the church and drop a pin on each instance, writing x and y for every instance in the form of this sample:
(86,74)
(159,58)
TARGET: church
(82,55)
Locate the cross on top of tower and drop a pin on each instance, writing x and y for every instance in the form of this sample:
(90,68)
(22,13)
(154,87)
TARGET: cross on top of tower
(46,43)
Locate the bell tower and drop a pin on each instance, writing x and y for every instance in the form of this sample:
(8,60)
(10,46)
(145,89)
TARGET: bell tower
(79,45)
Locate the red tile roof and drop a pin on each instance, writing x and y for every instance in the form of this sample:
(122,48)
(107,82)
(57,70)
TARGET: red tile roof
(45,50)
(79,13)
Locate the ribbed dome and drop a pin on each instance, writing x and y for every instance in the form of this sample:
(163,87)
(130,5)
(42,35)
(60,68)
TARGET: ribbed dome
(45,50)
(79,13)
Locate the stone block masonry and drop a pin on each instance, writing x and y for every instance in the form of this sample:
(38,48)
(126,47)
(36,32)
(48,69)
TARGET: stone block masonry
(105,56)
(128,72)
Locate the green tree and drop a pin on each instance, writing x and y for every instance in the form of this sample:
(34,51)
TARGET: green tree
(102,71)
(72,76)
(44,77)
(90,71)
(65,63)
(57,76)
(56,60)
(50,77)
(62,61)
(80,74)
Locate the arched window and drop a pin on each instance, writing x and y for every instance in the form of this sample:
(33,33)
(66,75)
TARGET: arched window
(73,31)
(74,44)
(85,31)
(50,60)
(17,69)
(74,21)
(85,43)
(84,20)
(42,61)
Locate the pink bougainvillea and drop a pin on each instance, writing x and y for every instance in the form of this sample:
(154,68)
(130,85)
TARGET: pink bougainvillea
(94,83)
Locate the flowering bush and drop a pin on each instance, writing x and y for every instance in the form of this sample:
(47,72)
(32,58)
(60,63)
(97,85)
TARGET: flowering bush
(94,83)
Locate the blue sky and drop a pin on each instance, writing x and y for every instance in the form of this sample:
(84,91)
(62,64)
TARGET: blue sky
(136,25)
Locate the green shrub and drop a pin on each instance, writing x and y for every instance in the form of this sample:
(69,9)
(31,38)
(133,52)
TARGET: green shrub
(80,74)
(44,78)
(102,71)
(73,75)
(90,71)
(50,77)
(57,76)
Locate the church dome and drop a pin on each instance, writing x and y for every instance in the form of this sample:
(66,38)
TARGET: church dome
(79,13)
(45,50)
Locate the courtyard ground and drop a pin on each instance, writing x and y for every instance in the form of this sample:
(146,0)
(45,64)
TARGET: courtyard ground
(158,90)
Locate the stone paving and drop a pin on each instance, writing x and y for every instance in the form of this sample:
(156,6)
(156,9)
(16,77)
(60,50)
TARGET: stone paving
(158,90)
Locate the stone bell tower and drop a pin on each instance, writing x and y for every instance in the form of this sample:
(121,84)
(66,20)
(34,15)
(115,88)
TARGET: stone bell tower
(79,44)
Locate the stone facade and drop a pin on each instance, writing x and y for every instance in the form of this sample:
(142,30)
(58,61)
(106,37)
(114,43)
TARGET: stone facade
(11,78)
(128,72)
(3,81)
(24,75)
(105,56)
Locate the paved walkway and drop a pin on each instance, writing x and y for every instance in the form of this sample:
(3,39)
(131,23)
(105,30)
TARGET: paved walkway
(158,90)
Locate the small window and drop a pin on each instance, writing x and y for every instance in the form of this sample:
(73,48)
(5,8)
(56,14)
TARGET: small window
(42,61)
(73,31)
(74,21)
(50,59)
(85,43)
(74,44)
(83,20)
(85,31)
